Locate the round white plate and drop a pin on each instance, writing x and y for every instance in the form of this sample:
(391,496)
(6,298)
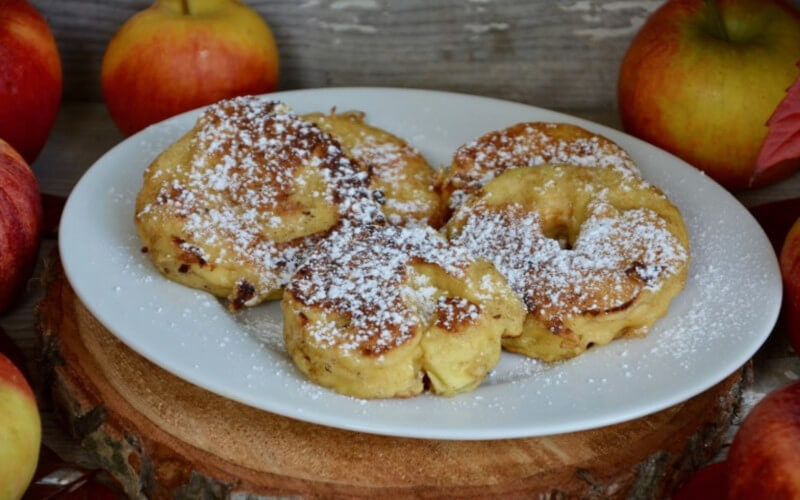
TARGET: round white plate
(728,308)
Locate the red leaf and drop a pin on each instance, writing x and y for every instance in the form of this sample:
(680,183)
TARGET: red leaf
(783,139)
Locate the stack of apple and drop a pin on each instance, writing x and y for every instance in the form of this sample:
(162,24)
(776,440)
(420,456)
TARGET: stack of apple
(707,81)
(172,57)
(30,95)
(175,56)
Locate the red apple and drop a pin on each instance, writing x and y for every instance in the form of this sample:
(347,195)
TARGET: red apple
(790,270)
(702,78)
(763,461)
(708,483)
(20,431)
(178,55)
(30,79)
(20,220)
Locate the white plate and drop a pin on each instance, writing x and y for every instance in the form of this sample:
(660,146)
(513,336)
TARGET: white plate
(728,308)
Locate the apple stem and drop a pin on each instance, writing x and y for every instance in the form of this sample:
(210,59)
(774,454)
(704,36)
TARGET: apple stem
(185,7)
(717,20)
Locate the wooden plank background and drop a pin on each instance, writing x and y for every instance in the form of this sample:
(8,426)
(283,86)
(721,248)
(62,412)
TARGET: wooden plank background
(561,54)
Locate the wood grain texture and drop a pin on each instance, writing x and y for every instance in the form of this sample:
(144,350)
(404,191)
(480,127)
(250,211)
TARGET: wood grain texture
(165,438)
(560,53)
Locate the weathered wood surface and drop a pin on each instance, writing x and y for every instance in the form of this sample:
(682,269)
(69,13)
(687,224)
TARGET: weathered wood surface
(164,438)
(561,53)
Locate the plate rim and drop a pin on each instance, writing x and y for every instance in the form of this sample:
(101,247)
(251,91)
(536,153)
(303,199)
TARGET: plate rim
(372,427)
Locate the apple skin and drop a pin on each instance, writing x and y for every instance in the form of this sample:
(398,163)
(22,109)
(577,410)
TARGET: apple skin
(30,80)
(790,270)
(705,99)
(163,62)
(20,431)
(708,483)
(20,223)
(763,461)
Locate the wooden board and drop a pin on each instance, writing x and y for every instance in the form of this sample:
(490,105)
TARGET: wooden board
(162,437)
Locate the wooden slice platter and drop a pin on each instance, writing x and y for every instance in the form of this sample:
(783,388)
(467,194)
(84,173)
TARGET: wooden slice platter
(162,437)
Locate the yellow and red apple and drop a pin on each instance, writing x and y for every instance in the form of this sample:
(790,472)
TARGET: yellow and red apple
(20,431)
(178,55)
(763,461)
(20,222)
(790,270)
(701,79)
(30,78)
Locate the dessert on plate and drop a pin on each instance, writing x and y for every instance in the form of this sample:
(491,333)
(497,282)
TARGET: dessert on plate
(381,311)
(594,253)
(233,205)
(556,243)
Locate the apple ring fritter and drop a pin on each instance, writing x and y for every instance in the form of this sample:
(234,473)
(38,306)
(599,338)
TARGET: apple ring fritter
(527,145)
(594,254)
(233,205)
(400,172)
(376,309)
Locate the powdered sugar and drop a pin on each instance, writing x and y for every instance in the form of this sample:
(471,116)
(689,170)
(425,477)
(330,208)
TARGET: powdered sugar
(382,157)
(385,161)
(528,145)
(453,313)
(362,273)
(249,156)
(616,256)
(396,169)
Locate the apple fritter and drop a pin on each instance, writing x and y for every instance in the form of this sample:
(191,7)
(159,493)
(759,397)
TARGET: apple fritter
(376,309)
(233,205)
(594,253)
(400,172)
(527,145)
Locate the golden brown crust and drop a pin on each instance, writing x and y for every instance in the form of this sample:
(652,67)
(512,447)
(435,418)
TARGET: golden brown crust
(232,206)
(526,145)
(454,314)
(593,253)
(376,308)
(358,274)
(408,183)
